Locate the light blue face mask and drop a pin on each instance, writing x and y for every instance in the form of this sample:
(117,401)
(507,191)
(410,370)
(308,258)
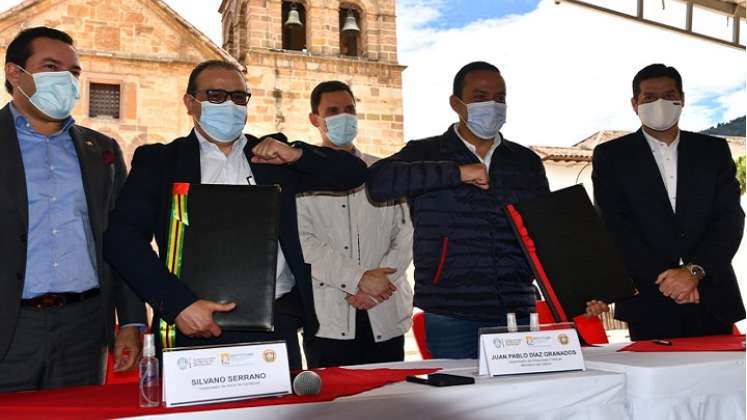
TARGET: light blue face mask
(485,119)
(222,122)
(342,129)
(56,94)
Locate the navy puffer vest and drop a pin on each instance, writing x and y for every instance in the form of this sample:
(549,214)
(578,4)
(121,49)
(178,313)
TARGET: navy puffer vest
(468,263)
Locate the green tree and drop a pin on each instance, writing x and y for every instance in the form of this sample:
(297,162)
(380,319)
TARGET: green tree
(740,173)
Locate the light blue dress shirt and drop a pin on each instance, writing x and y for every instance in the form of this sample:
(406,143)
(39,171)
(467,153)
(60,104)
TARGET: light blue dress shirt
(61,249)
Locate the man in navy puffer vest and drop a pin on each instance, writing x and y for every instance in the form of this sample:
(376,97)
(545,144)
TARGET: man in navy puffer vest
(469,268)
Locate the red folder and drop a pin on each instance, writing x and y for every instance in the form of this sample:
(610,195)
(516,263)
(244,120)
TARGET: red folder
(709,343)
(568,248)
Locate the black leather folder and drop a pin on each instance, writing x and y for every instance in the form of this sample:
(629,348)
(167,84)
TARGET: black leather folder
(570,251)
(231,249)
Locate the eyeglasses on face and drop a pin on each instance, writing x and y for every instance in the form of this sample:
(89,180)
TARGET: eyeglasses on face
(218,96)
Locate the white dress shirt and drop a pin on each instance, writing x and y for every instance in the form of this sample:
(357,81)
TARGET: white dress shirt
(666,159)
(488,156)
(234,169)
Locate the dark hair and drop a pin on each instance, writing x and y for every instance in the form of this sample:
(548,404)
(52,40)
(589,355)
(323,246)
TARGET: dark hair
(469,68)
(19,49)
(653,71)
(327,87)
(220,64)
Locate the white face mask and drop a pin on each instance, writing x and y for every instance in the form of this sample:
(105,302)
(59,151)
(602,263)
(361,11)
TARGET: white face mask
(485,119)
(661,114)
(223,122)
(342,129)
(56,94)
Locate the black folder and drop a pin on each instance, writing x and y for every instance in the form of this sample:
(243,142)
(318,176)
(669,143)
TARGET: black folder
(570,251)
(231,249)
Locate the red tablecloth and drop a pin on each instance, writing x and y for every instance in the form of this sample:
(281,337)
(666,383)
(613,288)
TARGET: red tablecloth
(712,343)
(120,400)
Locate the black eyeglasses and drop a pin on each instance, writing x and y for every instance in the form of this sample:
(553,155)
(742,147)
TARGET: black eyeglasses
(218,96)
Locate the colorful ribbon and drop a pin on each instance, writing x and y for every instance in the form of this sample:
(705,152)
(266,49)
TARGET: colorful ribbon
(178,223)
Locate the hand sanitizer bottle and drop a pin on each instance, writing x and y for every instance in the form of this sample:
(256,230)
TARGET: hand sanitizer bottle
(150,381)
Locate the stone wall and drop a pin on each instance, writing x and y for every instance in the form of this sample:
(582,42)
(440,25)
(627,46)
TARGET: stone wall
(281,80)
(143,47)
(135,44)
(281,97)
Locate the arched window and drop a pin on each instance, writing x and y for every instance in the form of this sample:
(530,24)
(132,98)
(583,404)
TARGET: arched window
(350,30)
(294,26)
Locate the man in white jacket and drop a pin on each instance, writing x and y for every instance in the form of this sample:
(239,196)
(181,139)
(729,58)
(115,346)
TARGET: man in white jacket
(358,251)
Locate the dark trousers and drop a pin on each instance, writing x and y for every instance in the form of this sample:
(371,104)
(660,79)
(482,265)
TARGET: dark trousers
(288,317)
(56,347)
(455,338)
(326,352)
(689,321)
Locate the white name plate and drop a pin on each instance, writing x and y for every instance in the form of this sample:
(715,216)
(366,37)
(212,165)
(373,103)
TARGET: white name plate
(530,352)
(207,375)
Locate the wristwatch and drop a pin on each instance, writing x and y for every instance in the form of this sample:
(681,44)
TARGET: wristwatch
(696,271)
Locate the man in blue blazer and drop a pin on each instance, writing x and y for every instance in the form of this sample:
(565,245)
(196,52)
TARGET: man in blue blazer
(58,181)
(670,199)
(217,151)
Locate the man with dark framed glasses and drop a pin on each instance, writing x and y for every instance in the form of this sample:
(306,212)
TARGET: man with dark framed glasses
(217,151)
(218,96)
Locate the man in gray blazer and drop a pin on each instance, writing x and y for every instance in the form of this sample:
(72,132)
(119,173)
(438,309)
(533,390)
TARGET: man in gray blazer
(58,182)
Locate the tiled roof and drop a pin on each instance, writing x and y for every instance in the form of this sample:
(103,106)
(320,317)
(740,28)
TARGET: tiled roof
(582,151)
(575,154)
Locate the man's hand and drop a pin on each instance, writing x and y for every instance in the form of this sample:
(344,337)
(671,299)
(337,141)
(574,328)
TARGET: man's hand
(475,174)
(376,283)
(275,152)
(595,308)
(676,283)
(127,349)
(362,301)
(692,297)
(196,320)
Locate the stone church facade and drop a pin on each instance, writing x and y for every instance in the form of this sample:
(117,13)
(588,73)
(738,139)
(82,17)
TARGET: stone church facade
(137,55)
(284,64)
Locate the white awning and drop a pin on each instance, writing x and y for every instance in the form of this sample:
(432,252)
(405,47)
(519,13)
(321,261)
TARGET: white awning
(733,9)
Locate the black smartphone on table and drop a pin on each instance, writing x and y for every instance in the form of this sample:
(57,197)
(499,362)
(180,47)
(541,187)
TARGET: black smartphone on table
(440,379)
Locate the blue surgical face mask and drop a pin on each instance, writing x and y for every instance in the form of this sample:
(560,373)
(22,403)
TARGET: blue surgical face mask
(342,129)
(223,122)
(56,93)
(485,119)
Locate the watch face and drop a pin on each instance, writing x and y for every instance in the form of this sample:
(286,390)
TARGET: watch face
(697,271)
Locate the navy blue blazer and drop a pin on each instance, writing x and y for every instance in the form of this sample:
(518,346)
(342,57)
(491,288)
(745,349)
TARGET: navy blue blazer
(142,212)
(706,228)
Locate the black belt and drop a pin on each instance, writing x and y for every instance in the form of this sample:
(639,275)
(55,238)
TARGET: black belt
(56,300)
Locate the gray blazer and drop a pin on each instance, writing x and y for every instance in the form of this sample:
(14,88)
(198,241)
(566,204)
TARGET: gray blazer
(102,181)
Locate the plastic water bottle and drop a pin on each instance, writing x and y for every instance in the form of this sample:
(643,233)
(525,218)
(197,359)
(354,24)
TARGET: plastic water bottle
(534,324)
(150,380)
(511,325)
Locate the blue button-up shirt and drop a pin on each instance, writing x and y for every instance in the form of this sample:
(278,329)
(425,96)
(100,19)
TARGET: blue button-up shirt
(61,249)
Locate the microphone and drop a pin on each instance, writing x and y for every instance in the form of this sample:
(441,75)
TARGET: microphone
(307,383)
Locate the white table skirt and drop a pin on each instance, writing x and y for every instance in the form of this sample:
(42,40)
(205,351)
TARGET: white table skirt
(589,395)
(677,385)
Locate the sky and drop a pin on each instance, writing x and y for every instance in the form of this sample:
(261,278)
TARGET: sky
(568,69)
